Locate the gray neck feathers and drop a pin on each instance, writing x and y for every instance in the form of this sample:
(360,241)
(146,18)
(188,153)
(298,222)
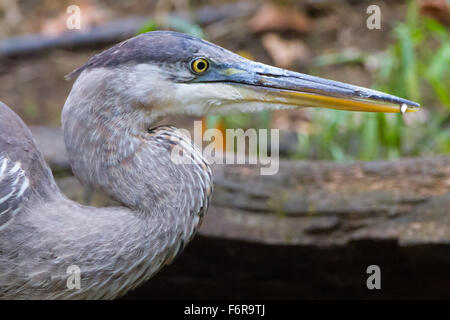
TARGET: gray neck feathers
(110,148)
(105,130)
(106,134)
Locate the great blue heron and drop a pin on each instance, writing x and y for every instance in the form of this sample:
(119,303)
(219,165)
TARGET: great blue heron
(116,98)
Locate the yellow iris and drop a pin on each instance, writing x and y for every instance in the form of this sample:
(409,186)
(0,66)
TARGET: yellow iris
(199,65)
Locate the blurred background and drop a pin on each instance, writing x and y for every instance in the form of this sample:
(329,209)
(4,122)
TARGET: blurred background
(409,56)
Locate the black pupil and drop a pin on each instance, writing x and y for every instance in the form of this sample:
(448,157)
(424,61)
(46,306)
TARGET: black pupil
(201,65)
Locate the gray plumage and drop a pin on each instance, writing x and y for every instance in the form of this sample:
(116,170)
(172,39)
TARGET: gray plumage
(160,47)
(115,248)
(42,233)
(118,95)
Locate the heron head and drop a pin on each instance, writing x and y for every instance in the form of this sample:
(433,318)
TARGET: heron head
(173,73)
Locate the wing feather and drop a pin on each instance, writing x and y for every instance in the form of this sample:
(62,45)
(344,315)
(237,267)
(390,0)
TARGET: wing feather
(14,188)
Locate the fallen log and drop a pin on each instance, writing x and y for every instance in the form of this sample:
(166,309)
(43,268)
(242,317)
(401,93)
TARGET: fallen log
(310,231)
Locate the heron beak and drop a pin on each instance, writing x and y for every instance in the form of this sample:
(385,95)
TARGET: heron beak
(263,83)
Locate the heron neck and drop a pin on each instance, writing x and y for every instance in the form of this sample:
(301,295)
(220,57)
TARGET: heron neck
(110,148)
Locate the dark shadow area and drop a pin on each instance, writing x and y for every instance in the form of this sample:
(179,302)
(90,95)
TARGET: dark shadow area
(225,269)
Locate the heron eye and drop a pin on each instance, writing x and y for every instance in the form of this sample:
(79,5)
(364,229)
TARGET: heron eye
(199,65)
